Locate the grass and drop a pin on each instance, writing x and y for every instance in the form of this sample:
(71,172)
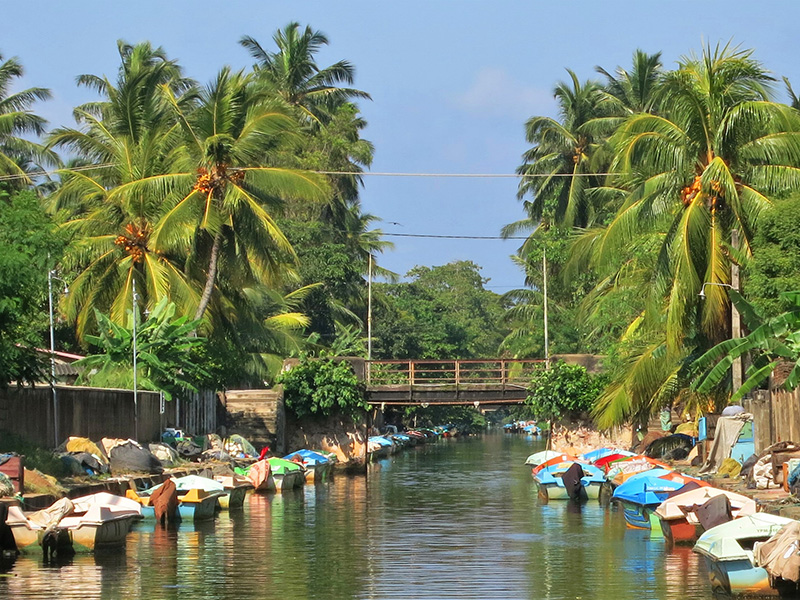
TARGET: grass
(36,457)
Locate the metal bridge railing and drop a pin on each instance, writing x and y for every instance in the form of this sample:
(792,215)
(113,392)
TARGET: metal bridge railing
(499,372)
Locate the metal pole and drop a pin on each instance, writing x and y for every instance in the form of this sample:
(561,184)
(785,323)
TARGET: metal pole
(369,318)
(52,357)
(736,320)
(135,394)
(544,287)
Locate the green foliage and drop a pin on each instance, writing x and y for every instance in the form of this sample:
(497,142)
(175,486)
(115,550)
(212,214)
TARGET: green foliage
(324,387)
(775,266)
(443,312)
(164,351)
(563,391)
(26,240)
(36,457)
(465,418)
(770,342)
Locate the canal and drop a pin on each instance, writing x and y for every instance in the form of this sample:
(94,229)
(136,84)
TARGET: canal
(455,519)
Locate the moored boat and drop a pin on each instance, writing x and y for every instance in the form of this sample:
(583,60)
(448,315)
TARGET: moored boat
(538,458)
(728,550)
(85,524)
(317,466)
(569,480)
(683,519)
(286,474)
(640,496)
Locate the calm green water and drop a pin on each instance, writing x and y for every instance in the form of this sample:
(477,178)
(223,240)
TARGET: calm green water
(458,519)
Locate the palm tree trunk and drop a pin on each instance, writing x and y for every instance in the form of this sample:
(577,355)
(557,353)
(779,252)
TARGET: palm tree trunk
(211,278)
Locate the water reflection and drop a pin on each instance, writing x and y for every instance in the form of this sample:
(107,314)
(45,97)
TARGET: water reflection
(459,519)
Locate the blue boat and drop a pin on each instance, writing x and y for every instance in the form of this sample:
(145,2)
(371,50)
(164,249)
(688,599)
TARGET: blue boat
(640,495)
(551,485)
(318,466)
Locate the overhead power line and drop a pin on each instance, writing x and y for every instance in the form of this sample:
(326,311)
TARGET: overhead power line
(455,237)
(44,173)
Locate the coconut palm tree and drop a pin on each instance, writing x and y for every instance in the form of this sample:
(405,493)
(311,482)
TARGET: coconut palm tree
(129,135)
(555,171)
(18,156)
(222,195)
(717,154)
(295,75)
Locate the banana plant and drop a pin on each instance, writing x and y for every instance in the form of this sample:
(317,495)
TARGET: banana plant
(164,346)
(771,342)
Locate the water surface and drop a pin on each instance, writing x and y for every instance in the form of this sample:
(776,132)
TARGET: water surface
(455,519)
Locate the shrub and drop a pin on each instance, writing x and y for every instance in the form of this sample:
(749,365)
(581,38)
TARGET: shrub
(322,388)
(563,391)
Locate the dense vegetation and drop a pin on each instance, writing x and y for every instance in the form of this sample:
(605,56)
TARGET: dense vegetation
(663,181)
(217,200)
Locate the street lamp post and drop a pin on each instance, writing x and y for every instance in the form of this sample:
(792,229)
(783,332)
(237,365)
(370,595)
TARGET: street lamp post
(51,275)
(736,329)
(135,392)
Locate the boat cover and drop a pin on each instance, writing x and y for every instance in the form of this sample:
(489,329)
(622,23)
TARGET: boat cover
(691,501)
(596,455)
(50,516)
(572,481)
(258,473)
(725,437)
(780,554)
(539,457)
(721,543)
(715,511)
(164,500)
(646,491)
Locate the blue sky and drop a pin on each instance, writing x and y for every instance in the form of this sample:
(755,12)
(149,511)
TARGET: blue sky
(452,82)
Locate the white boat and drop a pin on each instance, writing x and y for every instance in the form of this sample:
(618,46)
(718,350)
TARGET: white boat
(85,524)
(728,550)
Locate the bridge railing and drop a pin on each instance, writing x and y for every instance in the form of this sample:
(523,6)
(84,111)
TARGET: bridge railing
(500,372)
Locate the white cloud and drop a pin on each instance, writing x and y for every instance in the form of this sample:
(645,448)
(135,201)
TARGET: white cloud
(494,92)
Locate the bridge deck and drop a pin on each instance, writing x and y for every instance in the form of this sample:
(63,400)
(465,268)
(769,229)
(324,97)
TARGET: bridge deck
(448,382)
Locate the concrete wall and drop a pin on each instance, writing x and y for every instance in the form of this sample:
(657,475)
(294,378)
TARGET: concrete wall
(258,415)
(96,413)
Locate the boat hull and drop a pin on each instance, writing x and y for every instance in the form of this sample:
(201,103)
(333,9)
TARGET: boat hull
(638,516)
(83,538)
(289,480)
(738,578)
(233,497)
(680,531)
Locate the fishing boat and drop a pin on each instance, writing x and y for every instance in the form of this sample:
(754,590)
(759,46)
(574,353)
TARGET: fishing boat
(286,474)
(227,497)
(259,474)
(379,447)
(728,550)
(236,488)
(193,504)
(538,458)
(641,495)
(687,512)
(569,480)
(620,471)
(317,466)
(85,524)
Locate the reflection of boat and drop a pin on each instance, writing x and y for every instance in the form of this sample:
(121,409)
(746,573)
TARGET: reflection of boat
(569,479)
(682,518)
(317,466)
(85,524)
(728,550)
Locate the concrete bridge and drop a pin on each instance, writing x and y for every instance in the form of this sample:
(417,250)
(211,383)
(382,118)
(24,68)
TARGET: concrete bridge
(448,382)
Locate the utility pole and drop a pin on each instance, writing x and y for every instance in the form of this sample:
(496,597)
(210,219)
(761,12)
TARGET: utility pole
(736,319)
(135,393)
(544,289)
(369,318)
